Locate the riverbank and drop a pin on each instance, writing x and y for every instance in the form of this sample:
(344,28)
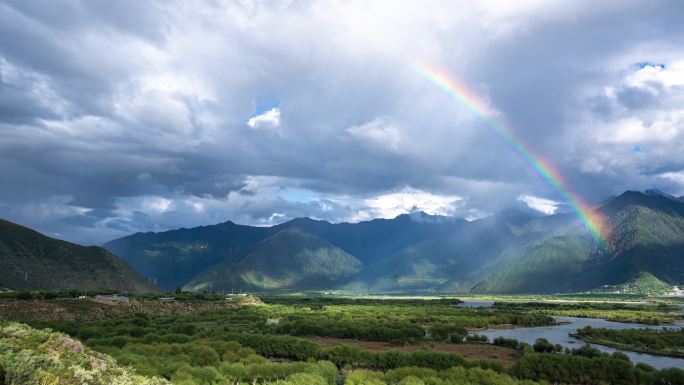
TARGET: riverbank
(632,348)
(562,334)
(664,342)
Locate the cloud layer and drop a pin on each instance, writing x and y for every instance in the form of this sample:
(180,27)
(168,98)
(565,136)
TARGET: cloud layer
(127,116)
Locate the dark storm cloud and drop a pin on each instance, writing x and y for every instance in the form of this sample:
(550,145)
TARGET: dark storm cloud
(127,116)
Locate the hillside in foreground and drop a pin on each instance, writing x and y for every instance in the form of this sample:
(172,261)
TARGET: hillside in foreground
(30,356)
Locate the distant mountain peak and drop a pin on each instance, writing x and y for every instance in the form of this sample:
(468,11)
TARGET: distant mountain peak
(305,221)
(423,217)
(656,192)
(652,199)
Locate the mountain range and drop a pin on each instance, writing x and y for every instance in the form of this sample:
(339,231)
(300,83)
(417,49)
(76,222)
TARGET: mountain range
(512,252)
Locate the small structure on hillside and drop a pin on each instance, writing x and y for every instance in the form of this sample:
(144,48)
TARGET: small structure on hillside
(111,298)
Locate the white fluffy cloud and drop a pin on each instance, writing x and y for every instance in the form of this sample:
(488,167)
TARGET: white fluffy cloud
(546,206)
(407,200)
(677,177)
(269,119)
(379,132)
(652,76)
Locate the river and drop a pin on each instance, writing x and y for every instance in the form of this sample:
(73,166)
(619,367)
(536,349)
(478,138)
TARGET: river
(559,334)
(475,303)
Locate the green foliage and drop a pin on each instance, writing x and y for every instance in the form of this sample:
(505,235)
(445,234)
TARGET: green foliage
(619,312)
(667,342)
(477,338)
(418,376)
(507,342)
(643,284)
(543,269)
(542,345)
(575,369)
(43,357)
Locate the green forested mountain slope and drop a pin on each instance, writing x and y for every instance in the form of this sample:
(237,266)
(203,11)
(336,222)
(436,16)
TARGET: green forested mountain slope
(431,263)
(646,237)
(32,261)
(290,259)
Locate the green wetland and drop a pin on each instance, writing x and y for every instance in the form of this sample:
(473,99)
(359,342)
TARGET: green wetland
(322,340)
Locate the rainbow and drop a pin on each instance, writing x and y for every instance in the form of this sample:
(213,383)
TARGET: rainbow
(591,219)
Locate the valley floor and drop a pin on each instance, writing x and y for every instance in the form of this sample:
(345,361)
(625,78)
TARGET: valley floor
(193,340)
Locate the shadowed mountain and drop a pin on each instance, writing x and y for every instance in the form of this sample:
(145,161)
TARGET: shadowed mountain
(513,252)
(290,259)
(379,239)
(32,261)
(453,257)
(174,257)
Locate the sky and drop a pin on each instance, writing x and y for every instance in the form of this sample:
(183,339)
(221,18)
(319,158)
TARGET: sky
(125,116)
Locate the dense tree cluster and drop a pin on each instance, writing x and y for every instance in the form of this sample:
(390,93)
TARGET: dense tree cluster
(320,302)
(376,330)
(601,369)
(508,343)
(656,341)
(619,312)
(379,320)
(423,376)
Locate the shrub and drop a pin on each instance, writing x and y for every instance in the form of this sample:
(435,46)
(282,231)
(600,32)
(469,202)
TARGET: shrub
(506,342)
(542,345)
(305,379)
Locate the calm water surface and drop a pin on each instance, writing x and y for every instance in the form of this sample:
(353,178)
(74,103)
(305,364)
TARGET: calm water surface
(475,303)
(559,334)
